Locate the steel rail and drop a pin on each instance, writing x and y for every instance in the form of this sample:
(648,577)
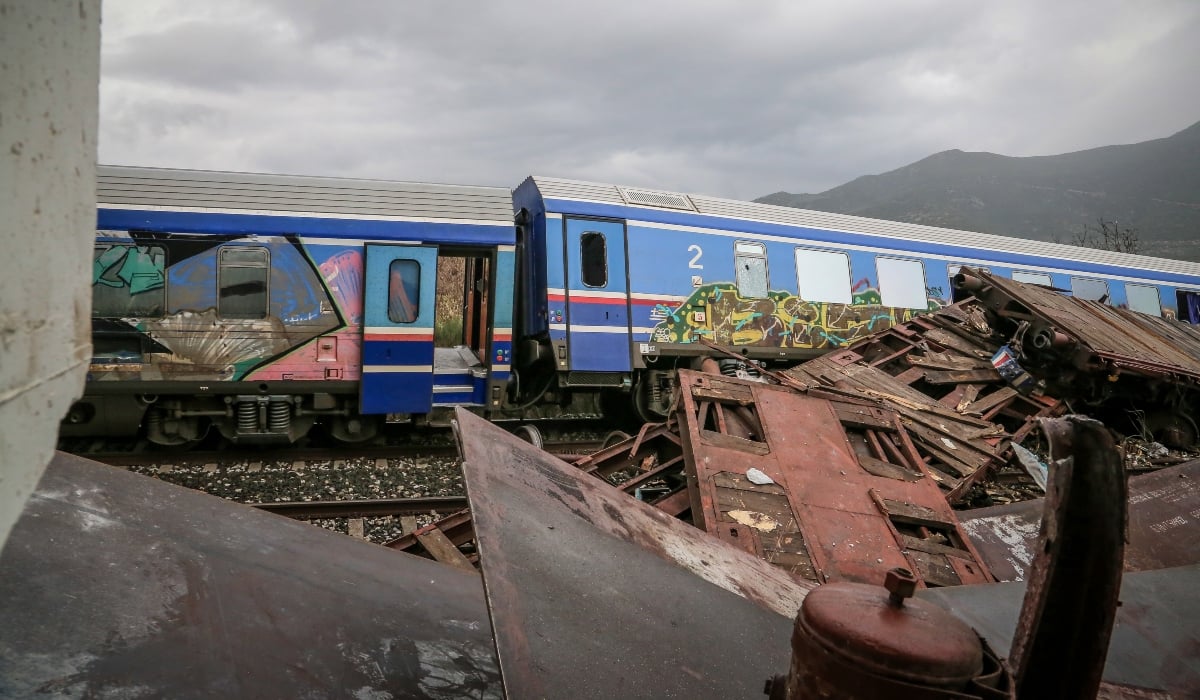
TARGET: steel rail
(371,508)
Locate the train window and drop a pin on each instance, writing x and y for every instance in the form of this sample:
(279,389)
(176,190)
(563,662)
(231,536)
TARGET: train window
(128,281)
(750,267)
(243,281)
(404,291)
(902,283)
(953,268)
(593,259)
(823,276)
(1031,278)
(1089,288)
(1143,298)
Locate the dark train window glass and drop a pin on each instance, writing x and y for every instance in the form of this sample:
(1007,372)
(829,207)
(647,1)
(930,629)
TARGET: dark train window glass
(242,282)
(1090,289)
(404,291)
(750,268)
(593,259)
(128,281)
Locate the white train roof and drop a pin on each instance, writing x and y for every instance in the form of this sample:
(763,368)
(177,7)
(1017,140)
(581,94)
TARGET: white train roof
(667,201)
(204,190)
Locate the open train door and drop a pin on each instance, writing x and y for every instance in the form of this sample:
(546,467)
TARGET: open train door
(597,296)
(397,349)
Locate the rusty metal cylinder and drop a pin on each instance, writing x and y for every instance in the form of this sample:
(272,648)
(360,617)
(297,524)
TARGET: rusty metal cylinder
(967,282)
(854,640)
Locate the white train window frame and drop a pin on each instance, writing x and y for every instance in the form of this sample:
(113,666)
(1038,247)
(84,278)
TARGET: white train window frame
(832,287)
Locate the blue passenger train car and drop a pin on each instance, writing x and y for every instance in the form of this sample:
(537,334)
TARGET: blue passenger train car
(262,305)
(630,279)
(259,305)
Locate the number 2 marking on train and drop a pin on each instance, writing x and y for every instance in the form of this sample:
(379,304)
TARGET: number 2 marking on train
(695,263)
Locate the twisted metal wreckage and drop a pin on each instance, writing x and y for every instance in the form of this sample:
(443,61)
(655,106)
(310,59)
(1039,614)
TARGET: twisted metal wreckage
(745,542)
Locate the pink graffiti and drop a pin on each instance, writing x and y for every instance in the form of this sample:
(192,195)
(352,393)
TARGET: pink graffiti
(343,274)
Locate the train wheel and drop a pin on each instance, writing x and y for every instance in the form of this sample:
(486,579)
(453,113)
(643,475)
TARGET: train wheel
(176,433)
(530,434)
(354,429)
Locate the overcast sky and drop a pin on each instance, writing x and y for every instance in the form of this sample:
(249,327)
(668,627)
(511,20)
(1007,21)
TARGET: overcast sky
(736,99)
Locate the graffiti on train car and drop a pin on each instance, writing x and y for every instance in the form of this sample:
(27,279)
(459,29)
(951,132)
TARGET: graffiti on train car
(716,312)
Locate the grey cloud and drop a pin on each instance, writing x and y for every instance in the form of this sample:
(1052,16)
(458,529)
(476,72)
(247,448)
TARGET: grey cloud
(731,99)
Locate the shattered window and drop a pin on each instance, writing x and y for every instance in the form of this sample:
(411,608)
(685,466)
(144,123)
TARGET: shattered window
(128,281)
(750,262)
(1143,298)
(242,282)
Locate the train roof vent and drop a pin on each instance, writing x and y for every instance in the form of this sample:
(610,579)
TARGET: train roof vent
(651,198)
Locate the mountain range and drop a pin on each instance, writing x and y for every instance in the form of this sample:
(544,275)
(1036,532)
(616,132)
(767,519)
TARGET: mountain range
(1152,187)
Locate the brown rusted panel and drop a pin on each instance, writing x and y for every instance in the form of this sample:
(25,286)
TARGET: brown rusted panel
(819,517)
(119,585)
(1164,525)
(594,594)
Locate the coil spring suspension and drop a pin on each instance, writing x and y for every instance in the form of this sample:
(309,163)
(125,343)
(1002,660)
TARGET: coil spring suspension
(279,416)
(154,420)
(247,417)
(655,393)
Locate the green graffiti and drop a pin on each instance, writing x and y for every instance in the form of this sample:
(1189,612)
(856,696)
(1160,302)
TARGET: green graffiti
(136,268)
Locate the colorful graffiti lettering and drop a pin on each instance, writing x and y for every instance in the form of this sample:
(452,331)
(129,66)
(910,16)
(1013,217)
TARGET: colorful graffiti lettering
(138,268)
(716,312)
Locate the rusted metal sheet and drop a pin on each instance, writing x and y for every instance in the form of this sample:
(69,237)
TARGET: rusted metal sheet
(595,594)
(1058,643)
(115,584)
(1066,619)
(1164,525)
(1154,639)
(833,508)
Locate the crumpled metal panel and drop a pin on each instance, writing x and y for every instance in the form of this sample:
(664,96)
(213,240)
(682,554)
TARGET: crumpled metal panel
(597,595)
(819,509)
(1164,530)
(119,585)
(1154,640)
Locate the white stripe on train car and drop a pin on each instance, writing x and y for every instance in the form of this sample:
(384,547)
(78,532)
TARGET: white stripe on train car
(395,369)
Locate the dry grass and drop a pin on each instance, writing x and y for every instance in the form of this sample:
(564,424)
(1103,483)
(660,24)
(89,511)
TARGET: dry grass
(448,309)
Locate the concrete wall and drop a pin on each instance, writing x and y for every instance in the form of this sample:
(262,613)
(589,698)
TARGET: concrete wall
(49,90)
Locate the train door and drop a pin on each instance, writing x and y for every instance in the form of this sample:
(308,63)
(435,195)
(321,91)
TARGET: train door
(398,311)
(598,333)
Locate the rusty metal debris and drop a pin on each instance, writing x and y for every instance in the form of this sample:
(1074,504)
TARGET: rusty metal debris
(594,594)
(1164,527)
(1071,595)
(115,584)
(848,497)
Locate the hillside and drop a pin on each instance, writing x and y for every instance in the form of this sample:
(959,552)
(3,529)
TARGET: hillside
(1152,186)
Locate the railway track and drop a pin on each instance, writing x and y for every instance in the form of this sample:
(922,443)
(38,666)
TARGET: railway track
(369,508)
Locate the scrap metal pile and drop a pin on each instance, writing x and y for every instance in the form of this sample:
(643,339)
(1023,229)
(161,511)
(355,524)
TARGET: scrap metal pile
(851,464)
(855,466)
(747,536)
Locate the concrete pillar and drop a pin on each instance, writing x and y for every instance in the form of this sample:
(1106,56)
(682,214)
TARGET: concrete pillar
(49,92)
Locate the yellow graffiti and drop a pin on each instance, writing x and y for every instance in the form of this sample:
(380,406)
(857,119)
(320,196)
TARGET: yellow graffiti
(717,313)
